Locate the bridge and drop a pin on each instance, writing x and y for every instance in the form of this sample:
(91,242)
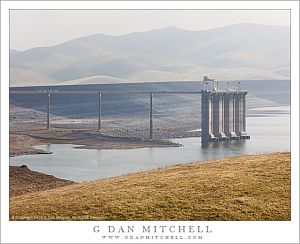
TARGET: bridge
(223,112)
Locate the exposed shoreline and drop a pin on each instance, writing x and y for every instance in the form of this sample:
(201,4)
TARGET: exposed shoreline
(22,142)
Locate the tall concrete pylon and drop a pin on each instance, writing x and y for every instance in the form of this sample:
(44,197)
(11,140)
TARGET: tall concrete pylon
(223,113)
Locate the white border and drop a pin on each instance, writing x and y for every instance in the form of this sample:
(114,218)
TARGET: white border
(81,232)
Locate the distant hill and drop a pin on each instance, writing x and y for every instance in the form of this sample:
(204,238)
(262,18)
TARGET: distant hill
(240,51)
(29,78)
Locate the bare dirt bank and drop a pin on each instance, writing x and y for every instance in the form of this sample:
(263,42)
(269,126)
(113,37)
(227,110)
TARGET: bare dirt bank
(23,180)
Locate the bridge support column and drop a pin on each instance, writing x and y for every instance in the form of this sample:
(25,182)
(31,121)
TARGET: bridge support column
(48,112)
(99,111)
(206,118)
(226,116)
(237,114)
(216,114)
(232,116)
(151,116)
(244,113)
(222,117)
(243,132)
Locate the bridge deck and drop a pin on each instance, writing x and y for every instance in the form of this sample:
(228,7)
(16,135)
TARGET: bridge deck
(103,92)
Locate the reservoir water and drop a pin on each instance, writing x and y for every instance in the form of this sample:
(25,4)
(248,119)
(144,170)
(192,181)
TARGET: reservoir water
(269,128)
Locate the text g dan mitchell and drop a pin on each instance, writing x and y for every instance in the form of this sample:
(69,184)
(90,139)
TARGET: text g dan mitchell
(153,229)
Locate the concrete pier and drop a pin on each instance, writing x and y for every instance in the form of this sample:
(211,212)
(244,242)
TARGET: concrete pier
(48,111)
(237,113)
(223,115)
(99,111)
(206,124)
(151,116)
(221,134)
(216,114)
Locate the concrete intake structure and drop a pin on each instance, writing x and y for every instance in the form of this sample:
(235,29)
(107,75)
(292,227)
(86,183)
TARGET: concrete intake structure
(223,113)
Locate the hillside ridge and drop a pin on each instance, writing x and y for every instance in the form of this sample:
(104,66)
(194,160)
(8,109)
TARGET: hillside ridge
(241,51)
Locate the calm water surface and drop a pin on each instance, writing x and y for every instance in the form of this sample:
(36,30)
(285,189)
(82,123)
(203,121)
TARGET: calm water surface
(268,127)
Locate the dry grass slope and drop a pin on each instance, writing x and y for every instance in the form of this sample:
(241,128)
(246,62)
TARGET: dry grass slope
(255,187)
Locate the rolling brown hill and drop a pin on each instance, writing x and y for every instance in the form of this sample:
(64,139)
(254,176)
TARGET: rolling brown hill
(255,187)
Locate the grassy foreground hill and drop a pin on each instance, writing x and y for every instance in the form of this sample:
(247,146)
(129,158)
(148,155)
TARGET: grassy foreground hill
(255,187)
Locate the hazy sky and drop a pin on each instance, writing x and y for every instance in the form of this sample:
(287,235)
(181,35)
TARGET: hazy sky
(39,28)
